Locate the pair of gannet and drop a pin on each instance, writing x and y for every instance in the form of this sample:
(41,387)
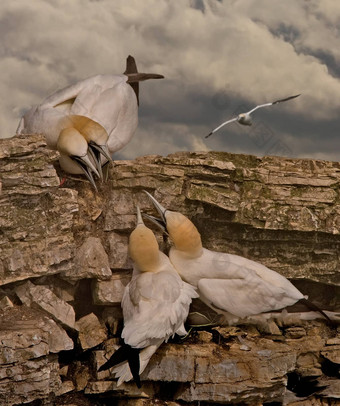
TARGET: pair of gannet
(155,305)
(245,118)
(231,285)
(88,121)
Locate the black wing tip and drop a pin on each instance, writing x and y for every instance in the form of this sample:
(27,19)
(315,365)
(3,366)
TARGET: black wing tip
(286,99)
(316,308)
(207,136)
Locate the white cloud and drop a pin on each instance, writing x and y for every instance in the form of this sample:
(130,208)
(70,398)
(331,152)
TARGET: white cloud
(255,51)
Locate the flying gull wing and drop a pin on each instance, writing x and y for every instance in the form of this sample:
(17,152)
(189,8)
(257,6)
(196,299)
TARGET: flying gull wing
(287,98)
(220,126)
(259,107)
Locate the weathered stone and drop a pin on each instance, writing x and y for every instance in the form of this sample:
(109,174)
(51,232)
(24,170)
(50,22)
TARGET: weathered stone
(66,387)
(61,288)
(118,253)
(126,389)
(111,292)
(29,380)
(91,332)
(90,261)
(295,332)
(332,353)
(5,302)
(44,299)
(58,340)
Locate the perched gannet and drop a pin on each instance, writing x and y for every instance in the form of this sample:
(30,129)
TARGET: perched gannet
(233,286)
(110,101)
(155,305)
(245,118)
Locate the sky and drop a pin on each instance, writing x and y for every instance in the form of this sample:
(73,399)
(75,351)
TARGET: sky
(219,58)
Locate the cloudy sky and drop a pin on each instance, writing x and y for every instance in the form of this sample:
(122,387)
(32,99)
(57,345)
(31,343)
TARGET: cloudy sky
(219,58)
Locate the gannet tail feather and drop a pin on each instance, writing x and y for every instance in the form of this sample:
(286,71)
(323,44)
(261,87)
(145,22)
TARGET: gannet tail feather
(123,372)
(125,353)
(315,308)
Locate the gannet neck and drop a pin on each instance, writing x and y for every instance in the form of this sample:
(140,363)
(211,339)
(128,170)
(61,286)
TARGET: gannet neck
(183,233)
(143,249)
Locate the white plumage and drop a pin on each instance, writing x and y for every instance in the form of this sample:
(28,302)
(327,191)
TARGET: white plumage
(245,118)
(231,285)
(156,301)
(108,103)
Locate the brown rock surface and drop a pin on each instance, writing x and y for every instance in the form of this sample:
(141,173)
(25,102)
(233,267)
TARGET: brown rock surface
(57,245)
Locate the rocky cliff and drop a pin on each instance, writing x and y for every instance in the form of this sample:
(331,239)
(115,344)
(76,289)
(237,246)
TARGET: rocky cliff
(64,265)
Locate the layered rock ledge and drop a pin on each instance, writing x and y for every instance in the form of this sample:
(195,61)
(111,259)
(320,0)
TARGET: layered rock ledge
(64,265)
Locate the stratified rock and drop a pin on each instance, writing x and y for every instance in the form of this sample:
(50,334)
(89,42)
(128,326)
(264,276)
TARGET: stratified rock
(44,299)
(36,217)
(27,339)
(91,332)
(90,261)
(111,292)
(281,212)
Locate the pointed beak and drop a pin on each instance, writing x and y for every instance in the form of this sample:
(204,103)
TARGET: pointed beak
(87,167)
(139,217)
(160,222)
(140,77)
(96,151)
(102,149)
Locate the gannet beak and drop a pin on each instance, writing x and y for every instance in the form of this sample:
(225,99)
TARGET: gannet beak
(87,167)
(96,151)
(139,217)
(160,222)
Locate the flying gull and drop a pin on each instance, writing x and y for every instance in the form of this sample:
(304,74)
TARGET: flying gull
(245,118)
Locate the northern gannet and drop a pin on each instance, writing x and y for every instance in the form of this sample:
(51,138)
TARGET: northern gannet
(155,305)
(245,118)
(233,286)
(110,101)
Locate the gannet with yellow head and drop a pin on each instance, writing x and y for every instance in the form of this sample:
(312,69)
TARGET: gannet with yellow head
(233,286)
(155,305)
(110,101)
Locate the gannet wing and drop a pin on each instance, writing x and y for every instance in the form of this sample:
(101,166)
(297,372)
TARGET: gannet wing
(220,126)
(244,297)
(154,306)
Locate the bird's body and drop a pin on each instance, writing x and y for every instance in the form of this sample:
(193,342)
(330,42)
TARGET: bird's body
(106,99)
(155,302)
(231,285)
(245,118)
(106,103)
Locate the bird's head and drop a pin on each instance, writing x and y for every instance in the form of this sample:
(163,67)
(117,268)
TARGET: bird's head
(96,137)
(143,247)
(73,148)
(180,229)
